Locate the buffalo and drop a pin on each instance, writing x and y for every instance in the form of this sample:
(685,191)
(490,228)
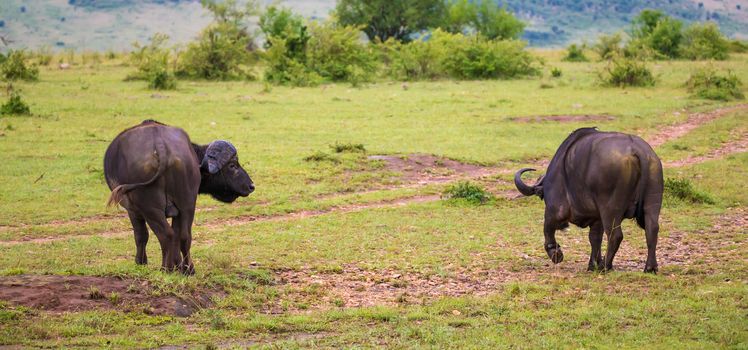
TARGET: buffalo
(596,179)
(156,173)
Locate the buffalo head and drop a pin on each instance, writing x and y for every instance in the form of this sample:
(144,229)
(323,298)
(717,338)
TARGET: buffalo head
(222,175)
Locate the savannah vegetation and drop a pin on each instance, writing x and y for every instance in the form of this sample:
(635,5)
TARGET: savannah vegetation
(336,248)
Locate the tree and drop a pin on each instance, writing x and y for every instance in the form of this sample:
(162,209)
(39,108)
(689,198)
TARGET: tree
(654,30)
(485,17)
(386,19)
(283,24)
(222,47)
(645,23)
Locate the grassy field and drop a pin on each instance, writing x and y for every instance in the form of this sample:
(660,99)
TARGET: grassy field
(354,253)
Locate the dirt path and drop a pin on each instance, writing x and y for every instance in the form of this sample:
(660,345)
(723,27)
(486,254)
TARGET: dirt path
(694,121)
(737,146)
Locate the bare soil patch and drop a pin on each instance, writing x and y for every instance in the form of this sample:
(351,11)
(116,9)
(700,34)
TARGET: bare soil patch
(694,121)
(357,287)
(53,293)
(429,169)
(737,146)
(563,118)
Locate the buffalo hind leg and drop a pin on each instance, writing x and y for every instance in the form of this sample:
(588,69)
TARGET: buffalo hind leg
(141,237)
(170,257)
(596,242)
(651,229)
(612,226)
(182,226)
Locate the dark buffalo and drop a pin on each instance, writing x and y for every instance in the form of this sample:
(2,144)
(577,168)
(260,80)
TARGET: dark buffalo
(597,179)
(155,172)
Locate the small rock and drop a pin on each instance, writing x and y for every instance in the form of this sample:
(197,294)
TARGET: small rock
(64,66)
(456,312)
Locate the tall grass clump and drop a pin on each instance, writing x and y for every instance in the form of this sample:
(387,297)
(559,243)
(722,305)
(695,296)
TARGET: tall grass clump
(624,72)
(708,84)
(15,66)
(681,189)
(575,53)
(468,191)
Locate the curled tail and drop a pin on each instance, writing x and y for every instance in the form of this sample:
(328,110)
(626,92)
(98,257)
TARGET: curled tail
(120,191)
(641,189)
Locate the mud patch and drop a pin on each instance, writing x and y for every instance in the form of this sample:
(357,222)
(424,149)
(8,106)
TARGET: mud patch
(563,118)
(430,169)
(57,294)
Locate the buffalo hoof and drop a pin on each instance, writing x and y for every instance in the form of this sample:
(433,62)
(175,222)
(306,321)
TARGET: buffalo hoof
(650,269)
(556,255)
(187,269)
(143,261)
(594,267)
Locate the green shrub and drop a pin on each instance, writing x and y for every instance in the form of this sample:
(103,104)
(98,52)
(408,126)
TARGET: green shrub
(475,57)
(738,46)
(468,191)
(575,53)
(336,53)
(282,69)
(704,41)
(556,72)
(654,30)
(485,17)
(417,60)
(221,51)
(708,84)
(15,67)
(152,63)
(682,189)
(15,105)
(609,46)
(284,24)
(623,72)
(348,147)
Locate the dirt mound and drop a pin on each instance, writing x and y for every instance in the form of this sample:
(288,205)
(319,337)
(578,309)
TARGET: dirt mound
(563,118)
(427,169)
(79,293)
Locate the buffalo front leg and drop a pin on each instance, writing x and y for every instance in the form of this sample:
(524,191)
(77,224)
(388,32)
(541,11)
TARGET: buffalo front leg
(596,242)
(182,225)
(552,248)
(141,237)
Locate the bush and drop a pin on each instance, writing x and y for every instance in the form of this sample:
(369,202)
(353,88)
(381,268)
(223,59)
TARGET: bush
(708,84)
(609,46)
(704,41)
(682,189)
(221,51)
(575,53)
(483,17)
(468,191)
(624,72)
(15,105)
(417,60)
(556,72)
(336,53)
(738,46)
(283,69)
(14,67)
(152,62)
(284,24)
(658,32)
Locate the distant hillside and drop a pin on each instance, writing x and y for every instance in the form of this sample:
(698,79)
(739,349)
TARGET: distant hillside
(116,24)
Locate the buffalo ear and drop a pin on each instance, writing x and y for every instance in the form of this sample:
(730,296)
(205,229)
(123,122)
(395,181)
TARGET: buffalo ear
(217,155)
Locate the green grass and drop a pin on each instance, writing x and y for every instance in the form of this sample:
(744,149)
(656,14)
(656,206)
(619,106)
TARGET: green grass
(696,301)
